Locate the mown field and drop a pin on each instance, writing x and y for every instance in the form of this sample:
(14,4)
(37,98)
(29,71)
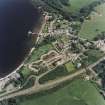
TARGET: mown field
(91,28)
(78,92)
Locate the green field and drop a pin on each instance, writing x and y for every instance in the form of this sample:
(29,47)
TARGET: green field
(76,5)
(70,67)
(78,92)
(57,73)
(25,72)
(93,56)
(97,22)
(37,53)
(68,6)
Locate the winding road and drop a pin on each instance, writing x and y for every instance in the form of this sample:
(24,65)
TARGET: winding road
(42,87)
(49,85)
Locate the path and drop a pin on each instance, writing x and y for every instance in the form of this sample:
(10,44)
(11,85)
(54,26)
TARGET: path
(46,86)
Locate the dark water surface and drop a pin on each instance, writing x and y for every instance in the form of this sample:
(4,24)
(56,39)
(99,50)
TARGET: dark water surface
(17,17)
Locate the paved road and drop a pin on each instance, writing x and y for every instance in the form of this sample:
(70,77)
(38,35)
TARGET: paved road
(43,87)
(38,88)
(91,66)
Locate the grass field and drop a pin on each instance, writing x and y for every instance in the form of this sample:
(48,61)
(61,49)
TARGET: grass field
(97,22)
(39,52)
(76,5)
(78,92)
(70,67)
(25,72)
(57,73)
(94,55)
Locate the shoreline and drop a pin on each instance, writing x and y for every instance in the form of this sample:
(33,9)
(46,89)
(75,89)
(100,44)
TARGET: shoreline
(37,30)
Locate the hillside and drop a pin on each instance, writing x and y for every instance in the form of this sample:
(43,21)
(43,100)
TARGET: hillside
(68,7)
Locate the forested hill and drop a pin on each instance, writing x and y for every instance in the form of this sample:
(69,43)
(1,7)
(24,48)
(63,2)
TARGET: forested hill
(57,4)
(54,5)
(76,8)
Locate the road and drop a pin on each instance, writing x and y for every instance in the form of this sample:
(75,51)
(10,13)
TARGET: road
(46,86)
(38,88)
(43,87)
(91,66)
(40,32)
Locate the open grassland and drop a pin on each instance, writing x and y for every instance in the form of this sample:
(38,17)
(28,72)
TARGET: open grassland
(60,71)
(37,53)
(78,92)
(68,6)
(91,28)
(76,5)
(93,56)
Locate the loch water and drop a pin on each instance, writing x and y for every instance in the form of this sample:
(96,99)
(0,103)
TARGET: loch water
(17,17)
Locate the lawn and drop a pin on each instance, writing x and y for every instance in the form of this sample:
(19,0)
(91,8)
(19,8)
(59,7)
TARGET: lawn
(78,92)
(37,53)
(97,22)
(76,5)
(25,72)
(70,67)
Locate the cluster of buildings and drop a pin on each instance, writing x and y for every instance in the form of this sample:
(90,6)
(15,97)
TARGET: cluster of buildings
(6,84)
(100,44)
(50,61)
